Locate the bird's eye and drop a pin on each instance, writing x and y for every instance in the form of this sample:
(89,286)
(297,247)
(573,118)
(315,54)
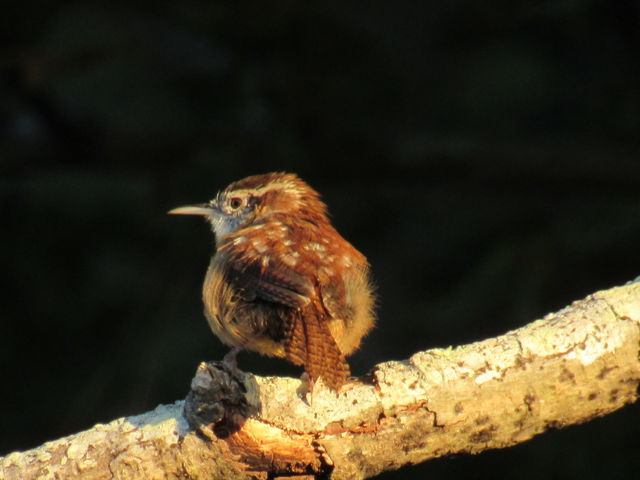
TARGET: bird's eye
(235,203)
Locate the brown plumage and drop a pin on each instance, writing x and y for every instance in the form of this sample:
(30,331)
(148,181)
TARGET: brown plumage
(283,281)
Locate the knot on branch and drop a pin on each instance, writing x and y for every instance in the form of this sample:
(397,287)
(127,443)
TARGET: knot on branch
(224,406)
(220,401)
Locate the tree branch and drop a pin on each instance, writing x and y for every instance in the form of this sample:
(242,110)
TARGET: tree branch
(579,363)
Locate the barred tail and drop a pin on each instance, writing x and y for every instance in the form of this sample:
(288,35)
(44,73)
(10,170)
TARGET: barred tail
(310,343)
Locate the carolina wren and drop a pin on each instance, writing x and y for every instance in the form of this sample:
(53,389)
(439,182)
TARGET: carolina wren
(283,282)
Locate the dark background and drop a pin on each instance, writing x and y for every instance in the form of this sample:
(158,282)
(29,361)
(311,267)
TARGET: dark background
(483,155)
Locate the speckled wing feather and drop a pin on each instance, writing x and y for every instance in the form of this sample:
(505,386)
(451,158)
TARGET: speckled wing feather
(262,276)
(257,271)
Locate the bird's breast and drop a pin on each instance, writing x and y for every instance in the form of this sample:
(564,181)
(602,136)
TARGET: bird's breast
(234,320)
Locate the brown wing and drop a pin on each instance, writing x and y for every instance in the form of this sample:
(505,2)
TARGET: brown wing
(256,266)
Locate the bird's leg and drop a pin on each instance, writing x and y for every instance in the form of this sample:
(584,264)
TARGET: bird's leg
(230,361)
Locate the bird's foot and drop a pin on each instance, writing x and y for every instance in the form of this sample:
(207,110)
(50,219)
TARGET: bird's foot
(230,361)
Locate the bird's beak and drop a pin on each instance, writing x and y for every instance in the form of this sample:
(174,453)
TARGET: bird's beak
(202,209)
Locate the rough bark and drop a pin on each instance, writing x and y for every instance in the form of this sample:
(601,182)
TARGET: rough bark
(569,367)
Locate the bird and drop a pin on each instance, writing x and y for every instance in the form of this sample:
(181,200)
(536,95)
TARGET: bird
(282,281)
